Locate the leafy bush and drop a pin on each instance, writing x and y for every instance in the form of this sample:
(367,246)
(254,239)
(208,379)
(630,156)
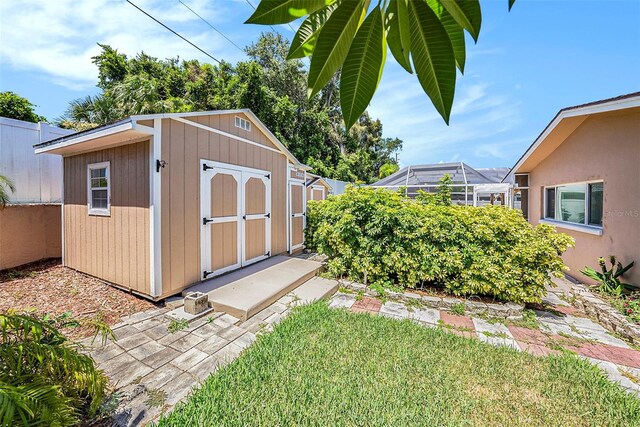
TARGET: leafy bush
(44,380)
(386,239)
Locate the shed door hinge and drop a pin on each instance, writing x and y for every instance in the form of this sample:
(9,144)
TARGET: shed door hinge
(206,167)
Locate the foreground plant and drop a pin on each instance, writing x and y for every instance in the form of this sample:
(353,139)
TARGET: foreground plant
(44,379)
(425,36)
(609,278)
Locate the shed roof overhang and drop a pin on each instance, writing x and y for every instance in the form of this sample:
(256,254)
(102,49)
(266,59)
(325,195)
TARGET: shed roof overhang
(117,133)
(565,123)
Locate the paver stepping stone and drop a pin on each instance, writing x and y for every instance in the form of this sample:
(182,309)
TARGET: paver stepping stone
(367,304)
(185,343)
(147,349)
(161,376)
(616,373)
(245,340)
(205,368)
(494,333)
(426,315)
(161,358)
(189,359)
(130,372)
(179,388)
(341,300)
(394,309)
(212,344)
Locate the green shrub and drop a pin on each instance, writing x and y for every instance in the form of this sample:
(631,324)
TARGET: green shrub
(44,380)
(386,239)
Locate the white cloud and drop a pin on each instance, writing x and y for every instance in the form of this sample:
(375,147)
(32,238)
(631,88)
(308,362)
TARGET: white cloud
(59,37)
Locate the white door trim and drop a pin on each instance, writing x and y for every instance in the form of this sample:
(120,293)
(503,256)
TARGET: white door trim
(214,168)
(266,180)
(292,215)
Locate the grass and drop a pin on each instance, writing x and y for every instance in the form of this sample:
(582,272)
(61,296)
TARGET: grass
(332,367)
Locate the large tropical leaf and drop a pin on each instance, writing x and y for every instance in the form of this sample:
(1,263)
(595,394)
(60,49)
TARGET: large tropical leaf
(334,42)
(433,57)
(271,12)
(399,33)
(6,186)
(466,13)
(455,32)
(304,41)
(511,2)
(363,67)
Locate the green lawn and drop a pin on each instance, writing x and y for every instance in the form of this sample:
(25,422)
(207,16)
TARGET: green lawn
(327,367)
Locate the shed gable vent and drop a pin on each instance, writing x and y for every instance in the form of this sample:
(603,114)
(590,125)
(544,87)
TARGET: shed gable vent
(243,124)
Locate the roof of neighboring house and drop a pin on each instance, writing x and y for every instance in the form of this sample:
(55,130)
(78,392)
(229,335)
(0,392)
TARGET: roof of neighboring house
(460,173)
(573,117)
(130,124)
(316,179)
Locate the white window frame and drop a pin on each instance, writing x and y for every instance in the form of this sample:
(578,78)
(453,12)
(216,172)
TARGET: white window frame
(243,124)
(91,209)
(586,227)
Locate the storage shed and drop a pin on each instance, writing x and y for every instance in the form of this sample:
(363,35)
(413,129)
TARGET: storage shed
(317,187)
(155,203)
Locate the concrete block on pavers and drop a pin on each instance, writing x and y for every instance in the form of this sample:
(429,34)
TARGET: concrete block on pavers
(341,300)
(180,314)
(494,333)
(196,302)
(394,309)
(426,315)
(161,358)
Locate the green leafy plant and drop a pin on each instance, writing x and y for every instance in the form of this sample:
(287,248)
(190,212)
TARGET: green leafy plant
(16,107)
(6,186)
(44,379)
(608,278)
(392,240)
(425,36)
(458,308)
(177,325)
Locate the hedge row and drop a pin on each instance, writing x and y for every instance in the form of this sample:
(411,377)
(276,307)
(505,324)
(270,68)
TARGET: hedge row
(389,241)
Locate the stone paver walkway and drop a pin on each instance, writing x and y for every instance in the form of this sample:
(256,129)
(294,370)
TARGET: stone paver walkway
(152,369)
(561,326)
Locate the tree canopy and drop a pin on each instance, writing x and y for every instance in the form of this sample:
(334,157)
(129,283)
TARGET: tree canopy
(16,107)
(269,84)
(425,36)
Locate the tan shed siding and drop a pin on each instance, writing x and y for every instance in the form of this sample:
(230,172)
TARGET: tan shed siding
(29,233)
(603,148)
(113,248)
(182,148)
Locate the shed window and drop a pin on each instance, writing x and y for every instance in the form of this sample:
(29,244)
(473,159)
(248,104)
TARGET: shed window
(575,203)
(99,186)
(243,124)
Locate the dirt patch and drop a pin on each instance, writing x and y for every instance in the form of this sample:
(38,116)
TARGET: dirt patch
(46,287)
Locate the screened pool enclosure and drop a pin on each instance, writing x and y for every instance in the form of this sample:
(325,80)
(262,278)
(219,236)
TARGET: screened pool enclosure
(469,186)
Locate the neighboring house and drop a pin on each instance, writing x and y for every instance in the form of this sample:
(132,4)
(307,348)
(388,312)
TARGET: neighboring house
(158,202)
(466,181)
(317,187)
(30,227)
(582,175)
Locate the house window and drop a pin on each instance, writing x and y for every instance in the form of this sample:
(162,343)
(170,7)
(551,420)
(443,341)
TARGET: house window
(99,189)
(575,203)
(243,124)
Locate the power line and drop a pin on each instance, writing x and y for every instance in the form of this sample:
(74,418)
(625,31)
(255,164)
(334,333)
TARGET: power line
(174,32)
(214,28)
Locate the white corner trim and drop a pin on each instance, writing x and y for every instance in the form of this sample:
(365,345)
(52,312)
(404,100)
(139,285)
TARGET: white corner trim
(588,229)
(62,211)
(155,234)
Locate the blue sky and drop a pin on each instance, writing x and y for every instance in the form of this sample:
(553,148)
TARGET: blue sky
(527,64)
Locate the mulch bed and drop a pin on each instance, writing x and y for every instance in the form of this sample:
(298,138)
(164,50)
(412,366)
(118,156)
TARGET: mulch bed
(46,287)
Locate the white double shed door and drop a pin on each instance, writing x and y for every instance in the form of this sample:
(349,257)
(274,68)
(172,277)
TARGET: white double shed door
(235,208)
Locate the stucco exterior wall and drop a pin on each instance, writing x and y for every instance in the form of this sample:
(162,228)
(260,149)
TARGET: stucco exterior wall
(29,233)
(604,147)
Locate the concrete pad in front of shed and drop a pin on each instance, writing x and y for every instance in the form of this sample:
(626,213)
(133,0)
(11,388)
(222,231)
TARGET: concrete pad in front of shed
(248,295)
(313,290)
